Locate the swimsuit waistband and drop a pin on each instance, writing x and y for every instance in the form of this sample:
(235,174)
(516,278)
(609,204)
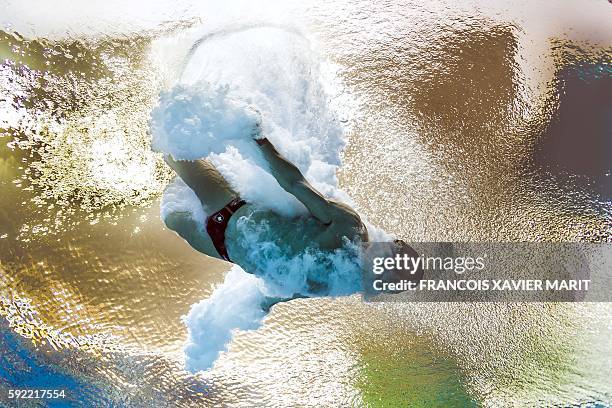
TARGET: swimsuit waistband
(217,223)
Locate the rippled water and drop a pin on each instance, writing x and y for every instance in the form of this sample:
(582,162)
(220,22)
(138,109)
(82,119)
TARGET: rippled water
(460,117)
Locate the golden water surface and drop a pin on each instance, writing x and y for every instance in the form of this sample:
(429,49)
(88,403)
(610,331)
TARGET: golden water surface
(467,122)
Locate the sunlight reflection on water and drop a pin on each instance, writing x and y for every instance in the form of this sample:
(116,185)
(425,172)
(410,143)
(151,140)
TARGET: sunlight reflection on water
(448,101)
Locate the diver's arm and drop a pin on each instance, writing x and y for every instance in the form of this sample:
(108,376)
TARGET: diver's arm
(205,180)
(291,180)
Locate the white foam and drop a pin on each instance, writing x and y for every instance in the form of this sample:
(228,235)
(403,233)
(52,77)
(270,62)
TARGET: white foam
(269,69)
(255,184)
(193,121)
(236,304)
(239,302)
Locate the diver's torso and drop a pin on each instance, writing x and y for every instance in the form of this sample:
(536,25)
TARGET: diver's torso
(262,241)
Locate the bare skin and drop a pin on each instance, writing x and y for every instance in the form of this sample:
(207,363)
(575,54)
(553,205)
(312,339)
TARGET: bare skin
(330,223)
(214,193)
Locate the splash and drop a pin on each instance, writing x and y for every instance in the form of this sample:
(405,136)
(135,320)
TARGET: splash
(194,121)
(232,82)
(236,304)
(288,272)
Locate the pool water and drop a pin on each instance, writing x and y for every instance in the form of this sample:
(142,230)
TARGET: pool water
(454,115)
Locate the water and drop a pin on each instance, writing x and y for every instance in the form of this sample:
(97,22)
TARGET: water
(444,105)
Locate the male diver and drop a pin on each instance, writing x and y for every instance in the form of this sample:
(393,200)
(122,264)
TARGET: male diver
(327,227)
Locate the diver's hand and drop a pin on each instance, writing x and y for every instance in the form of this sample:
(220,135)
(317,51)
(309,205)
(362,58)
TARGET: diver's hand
(256,130)
(257,134)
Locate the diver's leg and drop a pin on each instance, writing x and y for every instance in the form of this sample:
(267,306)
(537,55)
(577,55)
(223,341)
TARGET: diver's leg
(205,180)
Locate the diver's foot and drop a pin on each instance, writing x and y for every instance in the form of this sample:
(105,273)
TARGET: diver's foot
(268,302)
